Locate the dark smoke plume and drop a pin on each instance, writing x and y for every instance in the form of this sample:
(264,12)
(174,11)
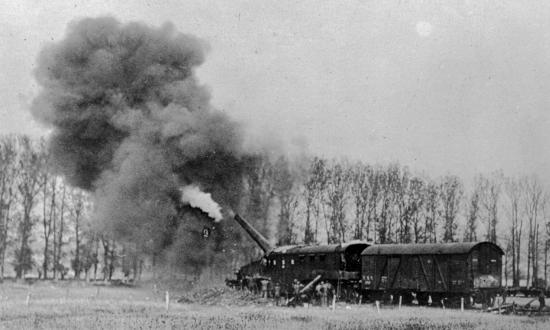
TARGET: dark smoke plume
(132,124)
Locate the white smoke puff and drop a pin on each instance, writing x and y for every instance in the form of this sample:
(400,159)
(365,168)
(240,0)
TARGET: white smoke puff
(193,196)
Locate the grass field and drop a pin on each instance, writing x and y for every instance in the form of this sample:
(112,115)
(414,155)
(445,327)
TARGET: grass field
(74,305)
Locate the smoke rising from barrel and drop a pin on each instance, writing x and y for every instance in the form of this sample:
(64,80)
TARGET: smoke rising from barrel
(193,196)
(131,123)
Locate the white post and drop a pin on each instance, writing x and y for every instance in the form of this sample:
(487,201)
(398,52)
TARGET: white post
(167,300)
(443,303)
(462,304)
(378,306)
(430,300)
(400,299)
(27,302)
(333,302)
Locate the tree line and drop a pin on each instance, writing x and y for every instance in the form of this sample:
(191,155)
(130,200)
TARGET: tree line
(47,226)
(317,201)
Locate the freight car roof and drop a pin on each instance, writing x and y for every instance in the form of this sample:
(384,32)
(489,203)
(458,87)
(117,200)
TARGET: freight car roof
(436,248)
(307,249)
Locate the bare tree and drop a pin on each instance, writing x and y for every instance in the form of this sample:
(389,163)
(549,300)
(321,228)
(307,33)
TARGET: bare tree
(402,201)
(514,189)
(314,187)
(362,191)
(470,233)
(8,174)
(534,200)
(546,250)
(418,193)
(375,185)
(261,192)
(432,213)
(48,190)
(285,191)
(30,164)
(410,203)
(109,248)
(387,180)
(336,196)
(490,196)
(77,200)
(59,269)
(451,192)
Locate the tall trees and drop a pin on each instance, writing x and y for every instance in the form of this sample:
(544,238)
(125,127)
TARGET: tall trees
(59,228)
(402,200)
(451,195)
(385,214)
(285,189)
(513,189)
(8,175)
(336,196)
(362,192)
(48,191)
(432,213)
(546,247)
(77,204)
(534,200)
(314,187)
(490,197)
(470,232)
(259,181)
(385,204)
(31,161)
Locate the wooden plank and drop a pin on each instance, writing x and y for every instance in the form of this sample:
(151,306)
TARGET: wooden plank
(378,277)
(425,273)
(441,275)
(396,272)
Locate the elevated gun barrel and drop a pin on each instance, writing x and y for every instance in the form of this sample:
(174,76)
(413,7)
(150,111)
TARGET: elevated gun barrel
(256,236)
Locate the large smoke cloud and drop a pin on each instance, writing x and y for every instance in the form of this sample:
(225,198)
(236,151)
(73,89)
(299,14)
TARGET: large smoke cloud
(132,124)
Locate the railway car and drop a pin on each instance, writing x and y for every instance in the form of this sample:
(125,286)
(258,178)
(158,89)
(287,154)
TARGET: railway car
(338,264)
(438,272)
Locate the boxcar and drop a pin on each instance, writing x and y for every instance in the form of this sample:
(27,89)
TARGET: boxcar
(438,272)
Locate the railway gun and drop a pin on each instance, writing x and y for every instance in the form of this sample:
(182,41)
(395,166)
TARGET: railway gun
(428,274)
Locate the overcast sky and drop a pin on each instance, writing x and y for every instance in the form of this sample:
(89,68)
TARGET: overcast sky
(441,86)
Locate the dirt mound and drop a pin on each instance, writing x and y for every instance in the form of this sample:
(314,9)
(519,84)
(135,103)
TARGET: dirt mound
(222,296)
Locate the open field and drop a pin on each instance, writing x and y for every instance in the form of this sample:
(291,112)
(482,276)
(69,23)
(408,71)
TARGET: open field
(70,305)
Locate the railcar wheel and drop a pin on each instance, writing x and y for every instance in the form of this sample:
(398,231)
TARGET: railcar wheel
(422,299)
(491,298)
(468,301)
(407,298)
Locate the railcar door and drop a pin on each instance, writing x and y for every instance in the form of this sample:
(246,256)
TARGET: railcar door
(394,263)
(427,263)
(457,273)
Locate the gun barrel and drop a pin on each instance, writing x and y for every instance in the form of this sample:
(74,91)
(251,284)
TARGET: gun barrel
(310,284)
(256,236)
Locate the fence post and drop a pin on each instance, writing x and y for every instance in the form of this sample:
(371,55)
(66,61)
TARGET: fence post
(400,299)
(28,301)
(167,300)
(462,304)
(378,306)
